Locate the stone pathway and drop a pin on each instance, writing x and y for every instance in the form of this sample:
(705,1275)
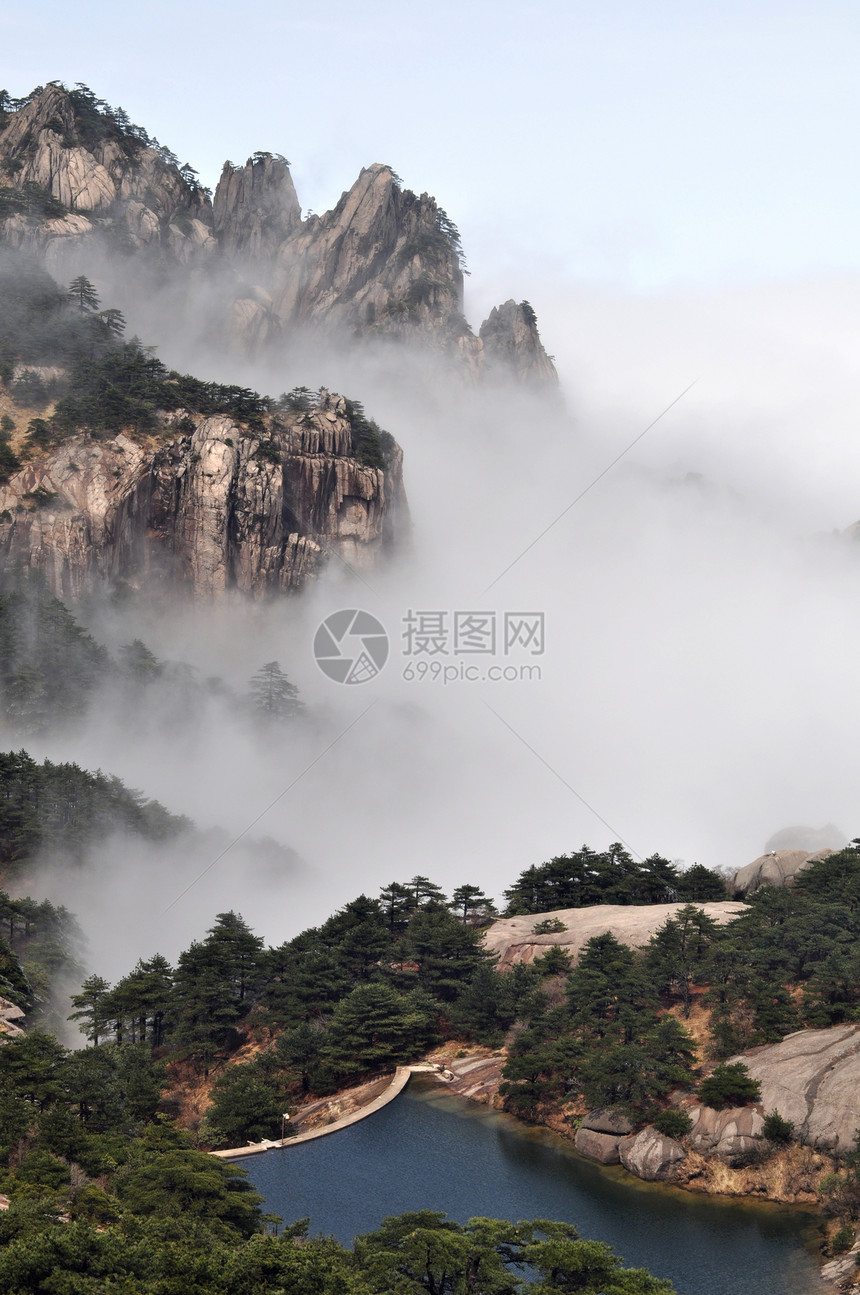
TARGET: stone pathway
(398,1083)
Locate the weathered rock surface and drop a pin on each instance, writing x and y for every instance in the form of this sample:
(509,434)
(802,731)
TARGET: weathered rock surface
(512,343)
(514,940)
(650,1155)
(778,868)
(602,1147)
(607,1119)
(255,207)
(813,1079)
(725,1133)
(209,511)
(111,187)
(383,263)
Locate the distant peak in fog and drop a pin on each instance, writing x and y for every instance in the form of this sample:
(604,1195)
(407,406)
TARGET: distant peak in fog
(87,187)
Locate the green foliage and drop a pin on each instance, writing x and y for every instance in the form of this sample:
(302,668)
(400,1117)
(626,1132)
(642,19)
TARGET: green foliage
(62,808)
(273,697)
(371,445)
(611,877)
(842,1240)
(729,1084)
(374,1028)
(49,665)
(549,926)
(167,1178)
(672,1123)
(423,1251)
(9,462)
(29,200)
(29,390)
(83,295)
(777,1129)
(555,962)
(677,952)
(245,1108)
(606,1041)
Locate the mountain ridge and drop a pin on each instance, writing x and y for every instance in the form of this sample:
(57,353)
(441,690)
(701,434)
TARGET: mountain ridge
(80,182)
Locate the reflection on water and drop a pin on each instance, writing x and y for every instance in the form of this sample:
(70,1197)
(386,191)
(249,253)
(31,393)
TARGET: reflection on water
(427,1150)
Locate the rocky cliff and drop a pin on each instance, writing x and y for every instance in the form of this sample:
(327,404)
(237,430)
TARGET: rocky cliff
(215,508)
(77,180)
(79,183)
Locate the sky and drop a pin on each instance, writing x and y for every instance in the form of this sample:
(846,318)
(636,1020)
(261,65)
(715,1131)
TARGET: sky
(640,145)
(673,188)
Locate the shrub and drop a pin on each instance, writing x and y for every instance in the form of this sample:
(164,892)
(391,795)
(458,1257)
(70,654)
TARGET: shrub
(729,1085)
(29,389)
(549,926)
(842,1240)
(555,962)
(672,1123)
(776,1129)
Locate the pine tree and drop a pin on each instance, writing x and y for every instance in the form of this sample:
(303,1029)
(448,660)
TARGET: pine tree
(83,294)
(272,695)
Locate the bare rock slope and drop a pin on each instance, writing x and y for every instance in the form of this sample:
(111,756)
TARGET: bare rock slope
(813,1079)
(515,940)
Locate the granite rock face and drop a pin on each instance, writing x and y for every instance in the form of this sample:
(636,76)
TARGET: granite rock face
(255,208)
(512,344)
(726,1133)
(112,188)
(650,1155)
(778,868)
(514,939)
(813,1079)
(607,1120)
(384,263)
(207,511)
(602,1147)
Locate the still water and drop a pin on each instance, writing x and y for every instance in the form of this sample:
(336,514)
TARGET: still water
(428,1150)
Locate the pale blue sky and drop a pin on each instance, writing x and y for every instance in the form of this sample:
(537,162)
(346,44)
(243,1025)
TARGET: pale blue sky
(640,144)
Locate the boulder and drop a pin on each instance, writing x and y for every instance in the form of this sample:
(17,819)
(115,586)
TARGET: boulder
(777,868)
(649,1154)
(607,1119)
(602,1147)
(725,1133)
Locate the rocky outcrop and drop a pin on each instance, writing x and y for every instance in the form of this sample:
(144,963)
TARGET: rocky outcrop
(255,208)
(116,190)
(514,938)
(512,344)
(600,1135)
(211,510)
(11,1020)
(80,182)
(650,1155)
(778,868)
(813,1079)
(727,1133)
